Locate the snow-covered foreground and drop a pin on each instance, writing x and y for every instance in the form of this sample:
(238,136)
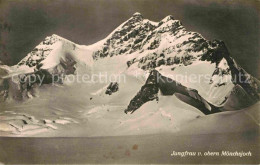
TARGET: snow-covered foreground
(232,131)
(166,130)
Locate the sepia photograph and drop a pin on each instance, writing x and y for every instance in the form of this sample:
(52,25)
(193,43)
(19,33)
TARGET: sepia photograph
(129,82)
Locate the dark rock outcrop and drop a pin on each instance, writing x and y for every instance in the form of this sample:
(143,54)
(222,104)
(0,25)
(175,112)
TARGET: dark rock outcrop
(239,75)
(167,86)
(147,93)
(112,88)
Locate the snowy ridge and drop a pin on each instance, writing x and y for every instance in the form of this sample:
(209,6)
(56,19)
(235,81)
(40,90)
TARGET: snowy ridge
(50,52)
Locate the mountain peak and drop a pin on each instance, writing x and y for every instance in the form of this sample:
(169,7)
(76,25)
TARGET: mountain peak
(137,17)
(137,14)
(168,18)
(57,36)
(54,38)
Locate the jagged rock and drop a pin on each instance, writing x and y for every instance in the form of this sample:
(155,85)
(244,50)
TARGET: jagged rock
(40,52)
(147,93)
(129,63)
(112,88)
(139,34)
(167,86)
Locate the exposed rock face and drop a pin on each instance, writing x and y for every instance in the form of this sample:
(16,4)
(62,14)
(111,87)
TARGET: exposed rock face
(238,74)
(239,98)
(167,42)
(112,88)
(162,39)
(3,85)
(148,92)
(167,86)
(126,39)
(40,52)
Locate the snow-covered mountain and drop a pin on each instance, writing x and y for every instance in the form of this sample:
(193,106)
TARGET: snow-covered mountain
(202,73)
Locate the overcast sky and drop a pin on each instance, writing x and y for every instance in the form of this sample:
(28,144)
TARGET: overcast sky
(26,23)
